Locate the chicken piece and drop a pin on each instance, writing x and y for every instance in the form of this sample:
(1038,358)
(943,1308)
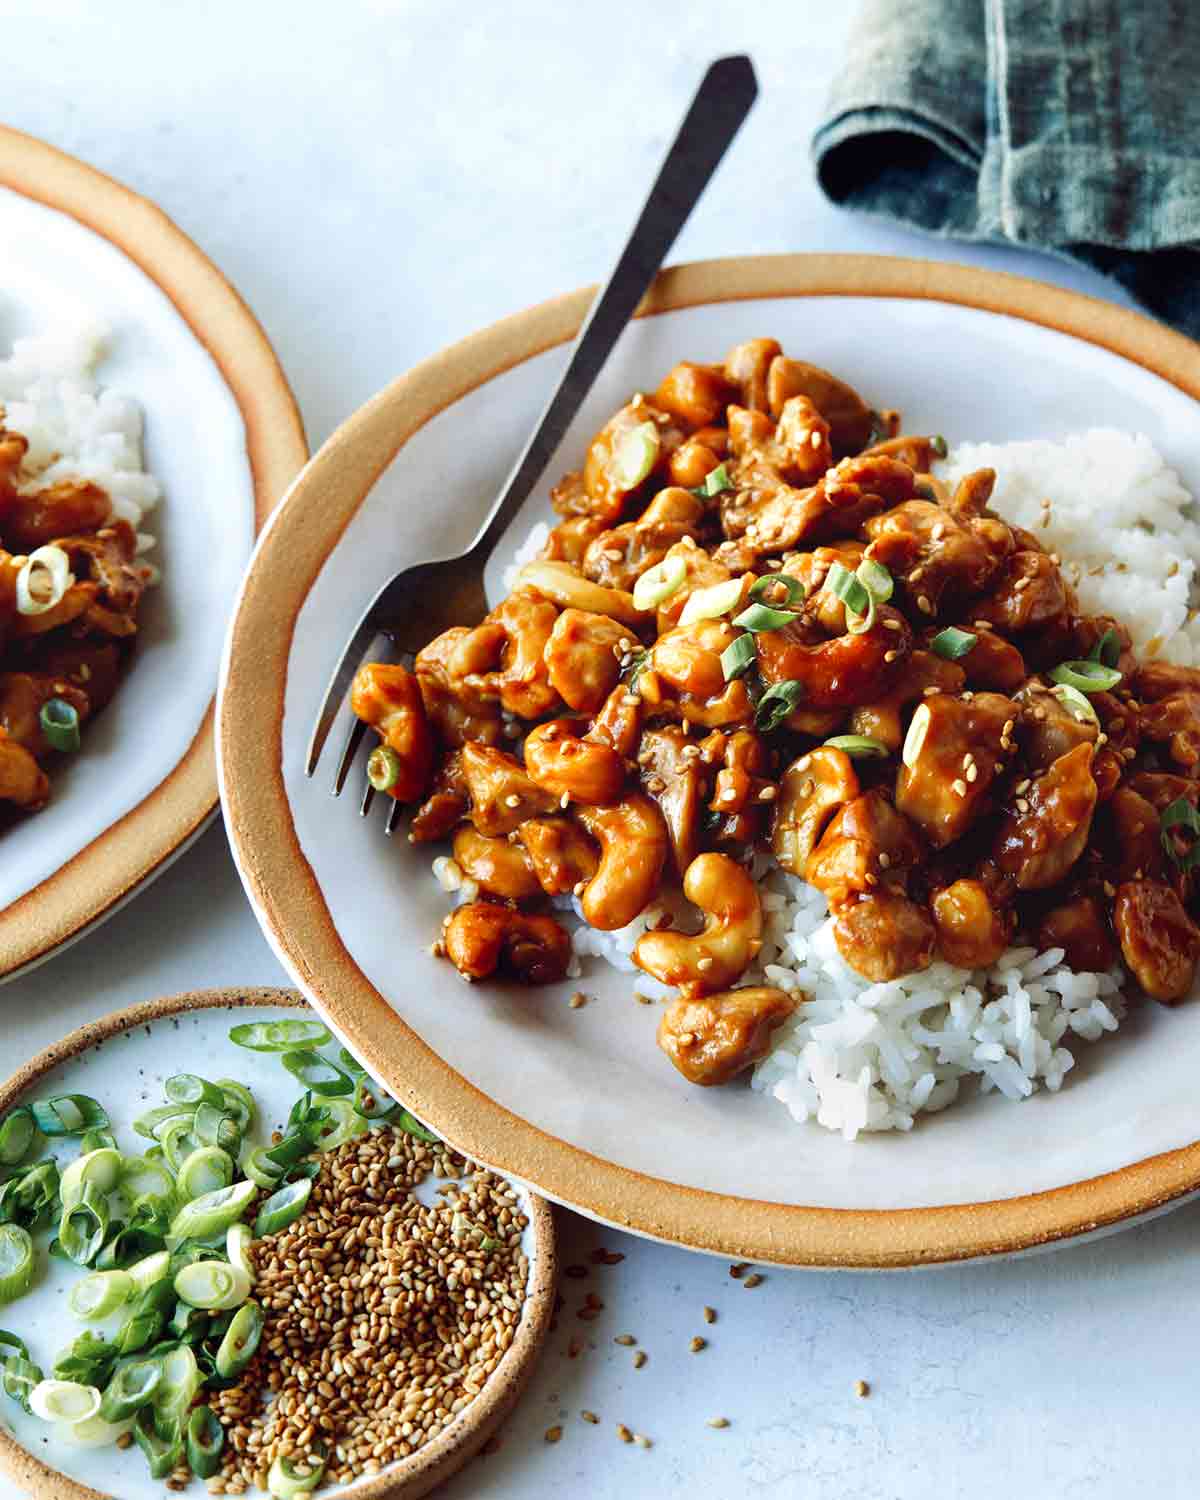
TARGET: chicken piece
(107,559)
(1176,721)
(562,855)
(1047,728)
(1047,830)
(917,452)
(883,936)
(1078,927)
(512,642)
(93,667)
(713,1038)
(583,656)
(22,780)
(501,867)
(569,541)
(939,560)
(619,722)
(792,452)
(28,521)
(992,665)
(502,795)
(684,679)
(445,807)
(481,938)
(811,790)
(693,461)
(1027,594)
(1155,680)
(748,366)
(971,931)
(1088,630)
(883,721)
(1161,788)
(74,606)
(22,698)
(849,417)
(771,516)
(615,468)
(570,499)
(388,698)
(618,558)
(694,395)
(674,775)
(737,796)
(839,673)
(1159,941)
(1136,840)
(456,702)
(866,847)
(951,754)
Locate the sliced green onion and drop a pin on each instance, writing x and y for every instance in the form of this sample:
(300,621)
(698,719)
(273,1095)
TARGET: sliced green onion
(716,482)
(238,1240)
(279,1036)
(190,1088)
(658,583)
(17,1131)
(876,579)
(285,1480)
(952,643)
(738,657)
(130,1245)
(31,1198)
(1077,704)
(189,1323)
(161,1453)
(939,445)
(217,1127)
(99,1294)
(96,1140)
(318,1073)
(213,1212)
(145,1180)
(842,583)
(410,1125)
(261,1170)
(761,617)
(372,1102)
(181,1381)
(282,1208)
(1087,676)
(205,1440)
(239,1102)
(69,1114)
(179,1140)
(858,746)
(94,1432)
(1180,814)
(1107,650)
(60,724)
(779,700)
(384,768)
(240,1342)
(212,1284)
(20,1376)
(794,590)
(206,1170)
(350,1062)
(133,1384)
(147,1317)
(89,1360)
(345,1123)
(712,602)
(634,454)
(150,1269)
(11,1341)
(84,1225)
(151,1123)
(36,594)
(64,1401)
(101,1168)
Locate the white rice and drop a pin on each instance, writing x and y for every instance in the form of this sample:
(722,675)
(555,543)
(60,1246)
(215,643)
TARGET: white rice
(860,1057)
(76,428)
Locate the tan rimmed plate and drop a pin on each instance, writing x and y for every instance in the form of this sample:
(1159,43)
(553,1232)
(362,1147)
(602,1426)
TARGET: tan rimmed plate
(224,436)
(122,1061)
(579,1102)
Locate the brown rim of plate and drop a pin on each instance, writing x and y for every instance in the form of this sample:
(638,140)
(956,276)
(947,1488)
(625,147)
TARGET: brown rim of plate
(106,872)
(407,1479)
(292,910)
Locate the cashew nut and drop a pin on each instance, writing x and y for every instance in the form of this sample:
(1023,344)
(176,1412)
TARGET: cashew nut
(388,698)
(495,865)
(810,792)
(712,1038)
(566,586)
(565,765)
(712,959)
(583,657)
(480,938)
(634,845)
(502,795)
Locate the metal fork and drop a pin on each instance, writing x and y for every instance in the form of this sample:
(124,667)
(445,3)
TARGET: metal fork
(422,601)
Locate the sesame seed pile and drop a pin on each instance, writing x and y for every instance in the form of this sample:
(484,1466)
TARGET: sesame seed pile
(384,1316)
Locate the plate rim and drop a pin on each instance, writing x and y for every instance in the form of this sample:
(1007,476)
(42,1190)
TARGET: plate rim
(109,870)
(407,1479)
(287,900)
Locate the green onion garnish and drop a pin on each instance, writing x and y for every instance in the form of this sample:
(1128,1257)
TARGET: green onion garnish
(161,1453)
(410,1125)
(217,1127)
(17,1131)
(1107,650)
(953,643)
(712,602)
(68,1114)
(777,703)
(634,454)
(859,601)
(212,1284)
(345,1123)
(181,1380)
(738,657)
(64,1401)
(212,1212)
(205,1170)
(241,1340)
(150,1269)
(383,768)
(261,1170)
(317,1072)
(658,583)
(20,1375)
(205,1440)
(1077,704)
(1180,815)
(716,482)
(99,1294)
(372,1102)
(60,724)
(279,1036)
(32,1198)
(147,1317)
(16,1262)
(876,579)
(190,1088)
(239,1102)
(939,445)
(760,617)
(282,1208)
(89,1359)
(152,1122)
(84,1225)
(285,1481)
(133,1383)
(1086,676)
(795,592)
(178,1141)
(858,746)
(102,1167)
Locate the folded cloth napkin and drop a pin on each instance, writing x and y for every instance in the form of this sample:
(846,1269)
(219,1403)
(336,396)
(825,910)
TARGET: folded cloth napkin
(1064,125)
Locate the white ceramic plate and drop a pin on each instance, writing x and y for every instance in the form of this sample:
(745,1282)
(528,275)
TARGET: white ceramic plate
(123,1062)
(581,1102)
(223,437)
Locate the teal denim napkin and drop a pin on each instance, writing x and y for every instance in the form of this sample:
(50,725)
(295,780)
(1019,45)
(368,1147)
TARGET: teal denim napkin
(1071,126)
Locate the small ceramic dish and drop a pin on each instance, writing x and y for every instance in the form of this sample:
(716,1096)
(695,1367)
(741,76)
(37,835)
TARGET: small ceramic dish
(580,1102)
(223,437)
(122,1061)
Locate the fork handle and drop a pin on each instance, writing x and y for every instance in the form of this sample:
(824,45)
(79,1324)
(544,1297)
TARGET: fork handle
(723,100)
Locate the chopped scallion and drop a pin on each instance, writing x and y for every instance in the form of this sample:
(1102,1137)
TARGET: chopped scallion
(716,482)
(286,1480)
(761,617)
(858,746)
(64,1401)
(1077,704)
(133,1384)
(794,590)
(1086,676)
(384,768)
(952,643)
(241,1339)
(779,700)
(68,1114)
(658,583)
(876,579)
(282,1208)
(213,1212)
(712,602)
(190,1088)
(60,724)
(318,1073)
(1180,817)
(205,1440)
(99,1294)
(16,1262)
(634,454)
(212,1284)
(738,657)
(17,1131)
(279,1036)
(1107,650)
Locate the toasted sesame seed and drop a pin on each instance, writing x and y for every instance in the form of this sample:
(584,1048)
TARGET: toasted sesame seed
(752,1281)
(739,1269)
(924,605)
(589,1416)
(639,1359)
(717,1422)
(552,1434)
(861,1388)
(512,800)
(960,787)
(624,1433)
(643,999)
(885,859)
(891,624)
(972,772)
(642,1440)
(704,964)
(768,794)
(577,1000)
(1022,805)
(697,1343)
(890,655)
(625,1338)
(710,1315)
